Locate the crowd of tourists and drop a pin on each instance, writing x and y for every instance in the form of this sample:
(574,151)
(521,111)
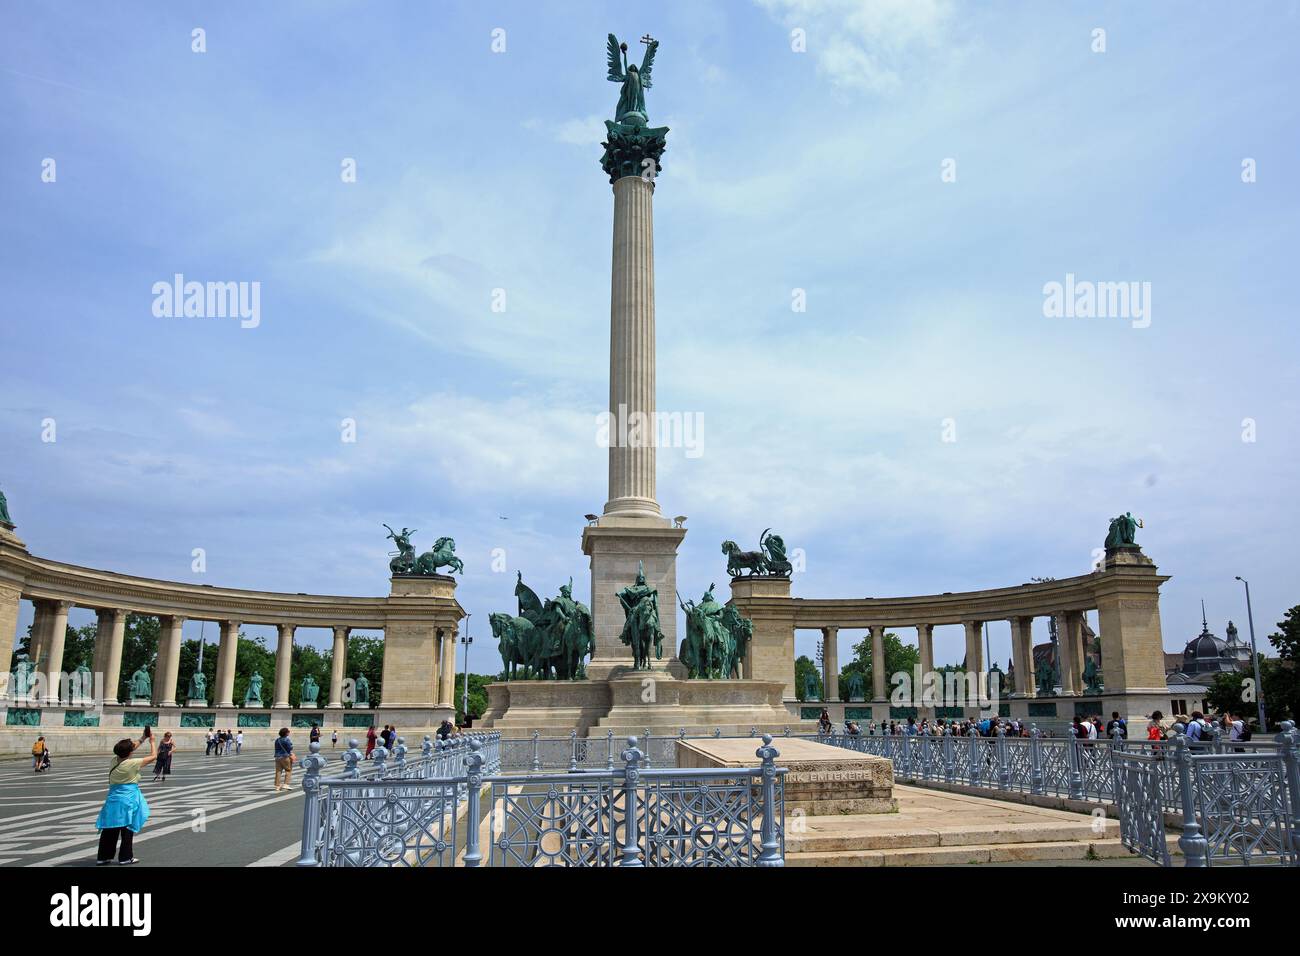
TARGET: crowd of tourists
(221,742)
(1198,727)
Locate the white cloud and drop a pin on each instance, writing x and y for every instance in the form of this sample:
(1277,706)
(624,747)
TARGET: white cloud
(862,45)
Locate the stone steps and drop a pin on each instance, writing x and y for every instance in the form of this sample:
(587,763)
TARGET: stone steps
(838,835)
(973,853)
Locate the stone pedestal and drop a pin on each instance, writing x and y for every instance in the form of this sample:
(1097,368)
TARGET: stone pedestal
(822,780)
(617,547)
(196,703)
(766,602)
(422,612)
(639,701)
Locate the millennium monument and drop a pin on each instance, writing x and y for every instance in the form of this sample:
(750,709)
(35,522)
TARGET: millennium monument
(616,668)
(635,679)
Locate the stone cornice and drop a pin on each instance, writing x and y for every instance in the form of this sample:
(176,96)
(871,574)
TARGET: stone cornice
(40,579)
(1034,599)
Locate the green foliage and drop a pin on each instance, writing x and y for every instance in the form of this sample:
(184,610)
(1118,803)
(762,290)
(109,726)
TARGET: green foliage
(366,656)
(803,666)
(898,657)
(139,648)
(308,660)
(189,661)
(1281,680)
(478,698)
(1287,637)
(254,655)
(1225,694)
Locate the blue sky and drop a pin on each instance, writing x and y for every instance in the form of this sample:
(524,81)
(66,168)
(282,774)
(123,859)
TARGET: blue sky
(478,170)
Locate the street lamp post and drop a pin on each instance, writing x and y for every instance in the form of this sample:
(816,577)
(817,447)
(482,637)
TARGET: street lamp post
(464,685)
(1254,658)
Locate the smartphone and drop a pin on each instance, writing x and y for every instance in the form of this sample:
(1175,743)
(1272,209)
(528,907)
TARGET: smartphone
(148,731)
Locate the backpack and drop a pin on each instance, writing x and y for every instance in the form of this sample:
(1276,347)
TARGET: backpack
(1245,731)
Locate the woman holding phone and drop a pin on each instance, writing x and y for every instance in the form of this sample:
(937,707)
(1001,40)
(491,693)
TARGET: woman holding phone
(125,811)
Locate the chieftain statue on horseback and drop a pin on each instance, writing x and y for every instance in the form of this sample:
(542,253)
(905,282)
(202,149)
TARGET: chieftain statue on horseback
(544,639)
(640,603)
(717,639)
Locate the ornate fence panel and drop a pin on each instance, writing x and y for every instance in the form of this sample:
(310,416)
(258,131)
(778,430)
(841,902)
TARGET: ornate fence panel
(1243,808)
(1239,800)
(392,813)
(392,822)
(553,821)
(1137,786)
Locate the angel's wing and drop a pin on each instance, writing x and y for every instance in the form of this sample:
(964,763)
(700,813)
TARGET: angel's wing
(615,61)
(648,63)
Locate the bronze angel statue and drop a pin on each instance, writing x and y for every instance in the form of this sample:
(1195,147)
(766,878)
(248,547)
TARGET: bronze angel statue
(631,99)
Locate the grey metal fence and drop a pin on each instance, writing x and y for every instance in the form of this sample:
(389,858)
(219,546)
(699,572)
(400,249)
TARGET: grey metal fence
(539,754)
(630,815)
(1239,800)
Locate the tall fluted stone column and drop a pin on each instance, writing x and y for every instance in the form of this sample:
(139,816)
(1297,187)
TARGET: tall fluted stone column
(1022,656)
(338,667)
(283,664)
(631,533)
(632,352)
(110,634)
(226,661)
(169,666)
(56,636)
(878,663)
(831,662)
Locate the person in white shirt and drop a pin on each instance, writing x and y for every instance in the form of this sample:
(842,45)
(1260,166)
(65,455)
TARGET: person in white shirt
(239,742)
(1235,726)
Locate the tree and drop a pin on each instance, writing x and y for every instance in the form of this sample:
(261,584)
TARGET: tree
(1225,694)
(189,662)
(366,656)
(139,648)
(254,657)
(478,697)
(1287,638)
(899,657)
(308,660)
(803,666)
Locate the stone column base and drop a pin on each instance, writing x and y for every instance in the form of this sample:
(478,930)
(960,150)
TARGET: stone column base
(616,547)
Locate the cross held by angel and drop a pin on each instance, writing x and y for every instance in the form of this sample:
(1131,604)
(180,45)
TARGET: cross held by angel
(631,98)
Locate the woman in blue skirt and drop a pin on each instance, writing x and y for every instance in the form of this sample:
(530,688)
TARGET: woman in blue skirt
(124,811)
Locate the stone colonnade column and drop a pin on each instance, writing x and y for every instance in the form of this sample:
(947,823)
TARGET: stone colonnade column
(55,638)
(925,642)
(338,667)
(447,685)
(632,352)
(40,631)
(1069,636)
(10,603)
(878,663)
(283,664)
(831,663)
(975,662)
(110,633)
(227,655)
(1022,656)
(169,663)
